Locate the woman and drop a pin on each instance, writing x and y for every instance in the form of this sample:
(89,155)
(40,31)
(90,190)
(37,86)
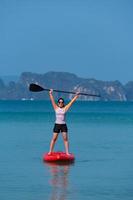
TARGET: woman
(60,124)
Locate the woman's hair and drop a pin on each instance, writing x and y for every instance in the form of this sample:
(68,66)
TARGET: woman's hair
(61,100)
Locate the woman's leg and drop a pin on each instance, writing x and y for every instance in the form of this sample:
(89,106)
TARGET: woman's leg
(52,143)
(66,143)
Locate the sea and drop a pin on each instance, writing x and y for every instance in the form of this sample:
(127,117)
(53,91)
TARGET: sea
(100,137)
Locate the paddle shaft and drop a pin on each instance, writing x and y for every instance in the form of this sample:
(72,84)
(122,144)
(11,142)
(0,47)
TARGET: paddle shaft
(69,92)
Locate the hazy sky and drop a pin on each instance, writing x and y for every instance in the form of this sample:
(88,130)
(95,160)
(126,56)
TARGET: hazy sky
(91,38)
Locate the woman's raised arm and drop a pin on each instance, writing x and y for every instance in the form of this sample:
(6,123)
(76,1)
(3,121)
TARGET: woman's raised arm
(52,99)
(71,102)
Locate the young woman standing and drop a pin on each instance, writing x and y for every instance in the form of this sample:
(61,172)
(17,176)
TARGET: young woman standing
(60,123)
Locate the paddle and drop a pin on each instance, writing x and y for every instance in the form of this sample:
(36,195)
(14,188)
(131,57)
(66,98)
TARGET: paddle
(37,88)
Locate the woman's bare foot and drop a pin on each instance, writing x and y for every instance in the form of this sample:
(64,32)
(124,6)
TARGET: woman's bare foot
(68,154)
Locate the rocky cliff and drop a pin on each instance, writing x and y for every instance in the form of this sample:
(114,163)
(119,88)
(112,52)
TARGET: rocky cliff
(109,90)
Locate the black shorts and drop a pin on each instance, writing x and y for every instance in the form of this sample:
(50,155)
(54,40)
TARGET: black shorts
(60,128)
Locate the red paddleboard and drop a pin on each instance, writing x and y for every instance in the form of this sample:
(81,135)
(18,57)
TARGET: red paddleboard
(58,157)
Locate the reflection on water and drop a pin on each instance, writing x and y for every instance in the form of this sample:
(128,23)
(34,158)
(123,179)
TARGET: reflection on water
(59,180)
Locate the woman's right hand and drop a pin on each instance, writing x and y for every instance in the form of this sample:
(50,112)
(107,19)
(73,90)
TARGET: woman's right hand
(50,91)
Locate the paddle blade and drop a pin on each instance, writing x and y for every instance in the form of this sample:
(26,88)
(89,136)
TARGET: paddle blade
(35,88)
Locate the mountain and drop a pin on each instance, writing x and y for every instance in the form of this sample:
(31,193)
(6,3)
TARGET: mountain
(109,90)
(129,90)
(9,78)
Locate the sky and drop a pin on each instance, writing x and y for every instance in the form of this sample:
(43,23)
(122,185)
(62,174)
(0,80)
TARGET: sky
(90,38)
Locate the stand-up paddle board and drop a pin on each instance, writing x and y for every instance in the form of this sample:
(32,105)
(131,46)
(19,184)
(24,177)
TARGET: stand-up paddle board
(58,157)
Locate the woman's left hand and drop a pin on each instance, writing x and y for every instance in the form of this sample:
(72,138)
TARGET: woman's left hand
(77,93)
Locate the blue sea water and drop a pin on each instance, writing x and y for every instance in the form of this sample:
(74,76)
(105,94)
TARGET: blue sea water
(101,137)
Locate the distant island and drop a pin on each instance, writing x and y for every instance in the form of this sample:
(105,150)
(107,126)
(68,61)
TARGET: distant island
(109,90)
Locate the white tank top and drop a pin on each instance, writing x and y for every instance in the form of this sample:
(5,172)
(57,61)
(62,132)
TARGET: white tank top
(60,116)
